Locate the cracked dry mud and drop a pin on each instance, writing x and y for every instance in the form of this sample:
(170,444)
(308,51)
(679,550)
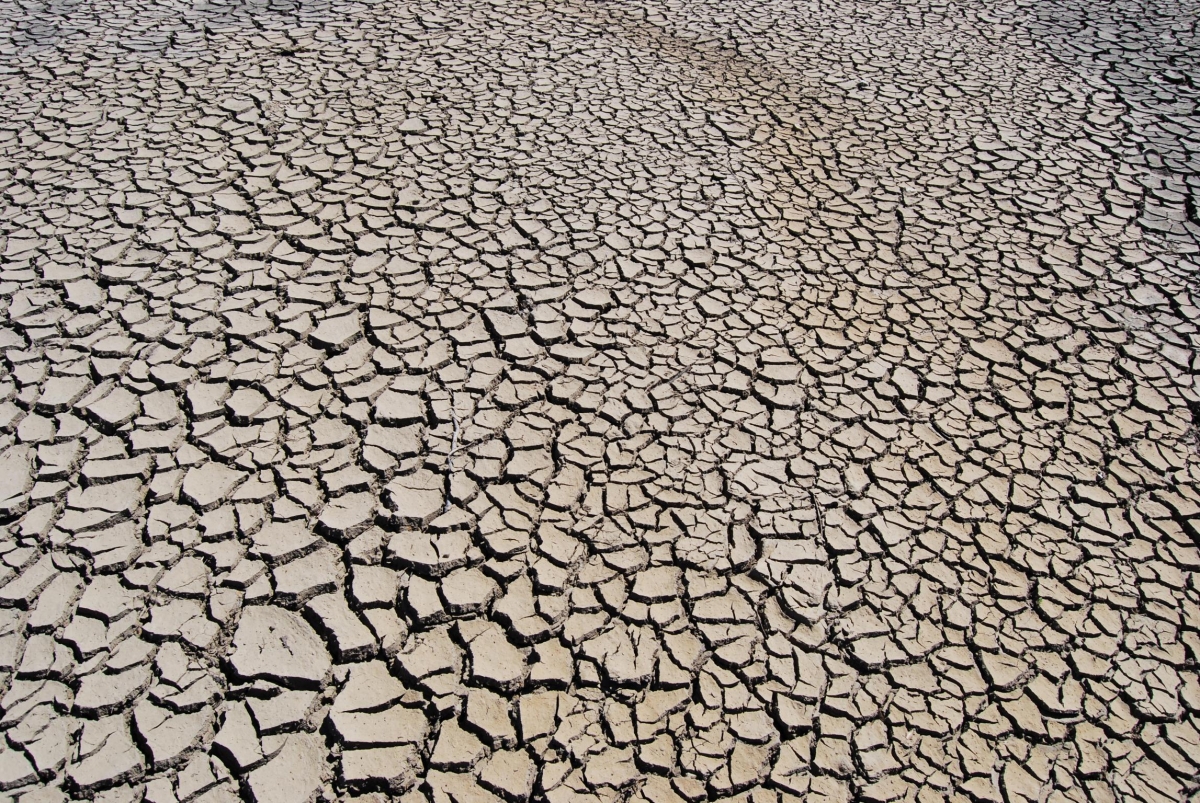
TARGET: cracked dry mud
(575,401)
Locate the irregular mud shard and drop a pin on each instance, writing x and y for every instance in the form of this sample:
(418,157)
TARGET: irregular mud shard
(551,402)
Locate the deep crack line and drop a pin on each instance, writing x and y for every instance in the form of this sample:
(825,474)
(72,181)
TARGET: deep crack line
(450,454)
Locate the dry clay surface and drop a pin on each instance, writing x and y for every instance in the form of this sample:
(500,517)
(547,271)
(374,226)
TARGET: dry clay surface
(588,401)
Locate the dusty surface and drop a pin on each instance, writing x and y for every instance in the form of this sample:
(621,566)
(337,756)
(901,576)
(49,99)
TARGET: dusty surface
(587,401)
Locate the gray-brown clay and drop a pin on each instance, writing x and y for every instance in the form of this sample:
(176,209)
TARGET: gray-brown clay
(569,401)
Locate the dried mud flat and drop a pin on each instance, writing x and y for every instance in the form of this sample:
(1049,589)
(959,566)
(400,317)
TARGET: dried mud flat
(590,401)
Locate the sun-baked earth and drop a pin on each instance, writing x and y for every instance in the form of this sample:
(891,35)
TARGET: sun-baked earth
(596,401)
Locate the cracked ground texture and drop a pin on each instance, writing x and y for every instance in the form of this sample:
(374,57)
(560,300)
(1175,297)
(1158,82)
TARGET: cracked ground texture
(589,401)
